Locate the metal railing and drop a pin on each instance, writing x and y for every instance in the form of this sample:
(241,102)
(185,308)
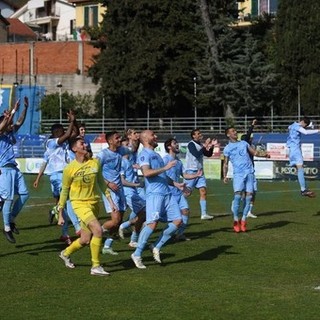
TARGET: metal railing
(213,125)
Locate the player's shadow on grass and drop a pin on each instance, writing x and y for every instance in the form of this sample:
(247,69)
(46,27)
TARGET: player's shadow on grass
(47,246)
(203,233)
(272,213)
(272,225)
(207,255)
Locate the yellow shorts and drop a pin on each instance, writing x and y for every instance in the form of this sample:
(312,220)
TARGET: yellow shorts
(86,212)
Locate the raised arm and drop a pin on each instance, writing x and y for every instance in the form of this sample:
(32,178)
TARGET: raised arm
(23,114)
(68,133)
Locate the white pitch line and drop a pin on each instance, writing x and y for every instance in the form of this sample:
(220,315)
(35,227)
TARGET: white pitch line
(259,192)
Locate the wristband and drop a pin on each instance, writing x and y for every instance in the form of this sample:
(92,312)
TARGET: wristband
(13,111)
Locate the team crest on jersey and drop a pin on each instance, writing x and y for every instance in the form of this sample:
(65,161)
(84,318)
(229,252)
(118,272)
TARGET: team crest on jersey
(142,158)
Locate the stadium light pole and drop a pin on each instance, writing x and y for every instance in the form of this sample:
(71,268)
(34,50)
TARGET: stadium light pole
(59,85)
(195,100)
(299,101)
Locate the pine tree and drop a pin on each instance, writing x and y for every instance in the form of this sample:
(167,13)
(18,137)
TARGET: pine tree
(297,54)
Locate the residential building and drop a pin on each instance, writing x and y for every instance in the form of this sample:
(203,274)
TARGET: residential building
(254,8)
(88,13)
(51,19)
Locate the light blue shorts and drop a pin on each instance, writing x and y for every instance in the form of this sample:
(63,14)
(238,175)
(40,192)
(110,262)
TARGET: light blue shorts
(12,182)
(134,201)
(295,156)
(243,182)
(162,208)
(182,201)
(56,183)
(197,183)
(119,199)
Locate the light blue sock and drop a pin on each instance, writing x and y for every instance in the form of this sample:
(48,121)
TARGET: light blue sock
(6,209)
(108,242)
(182,228)
(166,235)
(246,208)
(235,206)
(301,179)
(132,215)
(125,225)
(143,239)
(18,205)
(72,216)
(203,207)
(134,236)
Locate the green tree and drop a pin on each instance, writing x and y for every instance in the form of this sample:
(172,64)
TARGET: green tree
(297,49)
(167,56)
(83,105)
(151,50)
(243,81)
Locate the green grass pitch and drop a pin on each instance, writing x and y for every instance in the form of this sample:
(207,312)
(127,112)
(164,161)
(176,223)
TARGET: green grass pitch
(270,272)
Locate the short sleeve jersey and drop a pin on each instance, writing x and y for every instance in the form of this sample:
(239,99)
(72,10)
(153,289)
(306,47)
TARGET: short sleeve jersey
(57,155)
(239,156)
(174,173)
(111,165)
(157,184)
(7,155)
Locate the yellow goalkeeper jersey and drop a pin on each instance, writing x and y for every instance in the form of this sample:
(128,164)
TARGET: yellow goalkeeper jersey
(82,182)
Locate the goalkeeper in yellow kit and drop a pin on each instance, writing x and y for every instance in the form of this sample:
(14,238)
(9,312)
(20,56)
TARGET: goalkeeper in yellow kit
(82,182)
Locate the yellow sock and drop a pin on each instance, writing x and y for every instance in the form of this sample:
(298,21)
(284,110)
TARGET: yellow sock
(74,246)
(95,247)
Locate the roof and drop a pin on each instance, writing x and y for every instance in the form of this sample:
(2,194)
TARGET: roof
(19,28)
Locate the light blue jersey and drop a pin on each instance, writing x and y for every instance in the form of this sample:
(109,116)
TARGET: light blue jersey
(239,156)
(294,142)
(57,155)
(111,168)
(111,164)
(159,183)
(7,156)
(294,138)
(243,170)
(133,199)
(174,173)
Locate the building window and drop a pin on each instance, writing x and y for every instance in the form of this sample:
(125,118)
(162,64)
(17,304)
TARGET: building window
(91,16)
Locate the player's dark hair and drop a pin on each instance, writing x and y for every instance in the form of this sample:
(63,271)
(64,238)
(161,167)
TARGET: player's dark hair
(306,120)
(226,131)
(193,132)
(110,134)
(73,141)
(168,142)
(56,126)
